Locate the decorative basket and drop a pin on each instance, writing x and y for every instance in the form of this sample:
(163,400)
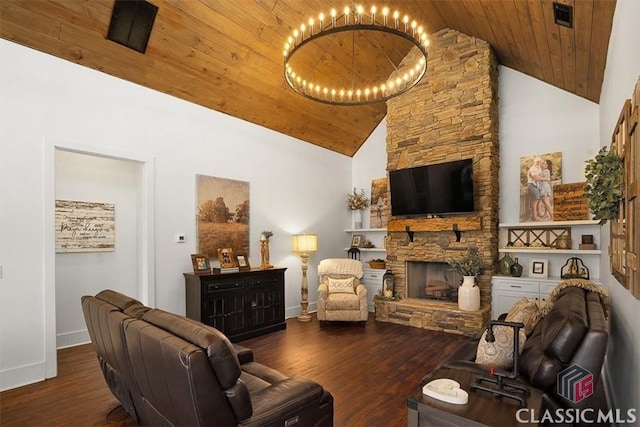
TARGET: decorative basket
(378,265)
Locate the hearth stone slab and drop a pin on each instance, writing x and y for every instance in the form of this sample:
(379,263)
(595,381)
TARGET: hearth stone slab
(436,316)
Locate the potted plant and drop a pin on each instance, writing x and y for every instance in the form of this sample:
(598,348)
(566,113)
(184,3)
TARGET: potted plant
(605,185)
(470,266)
(356,202)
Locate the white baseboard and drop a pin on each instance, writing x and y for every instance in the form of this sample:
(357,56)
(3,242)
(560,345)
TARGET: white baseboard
(22,375)
(294,311)
(72,339)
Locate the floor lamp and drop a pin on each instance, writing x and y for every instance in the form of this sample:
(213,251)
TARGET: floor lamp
(304,245)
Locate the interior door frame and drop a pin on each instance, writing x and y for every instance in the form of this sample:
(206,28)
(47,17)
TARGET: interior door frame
(146,287)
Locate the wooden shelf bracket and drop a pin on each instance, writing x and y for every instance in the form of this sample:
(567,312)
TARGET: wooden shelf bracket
(409,233)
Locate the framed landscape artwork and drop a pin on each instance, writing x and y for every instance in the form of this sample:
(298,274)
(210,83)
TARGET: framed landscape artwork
(222,215)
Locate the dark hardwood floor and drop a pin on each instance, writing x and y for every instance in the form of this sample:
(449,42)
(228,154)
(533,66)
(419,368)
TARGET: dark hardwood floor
(370,370)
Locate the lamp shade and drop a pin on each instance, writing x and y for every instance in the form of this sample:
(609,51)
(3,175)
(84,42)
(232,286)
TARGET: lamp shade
(305,243)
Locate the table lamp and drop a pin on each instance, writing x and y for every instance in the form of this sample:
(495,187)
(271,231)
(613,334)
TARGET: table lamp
(304,245)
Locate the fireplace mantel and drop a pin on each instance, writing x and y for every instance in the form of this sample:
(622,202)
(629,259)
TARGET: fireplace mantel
(452,223)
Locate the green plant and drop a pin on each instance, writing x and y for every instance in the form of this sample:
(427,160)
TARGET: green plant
(605,185)
(357,201)
(267,234)
(470,264)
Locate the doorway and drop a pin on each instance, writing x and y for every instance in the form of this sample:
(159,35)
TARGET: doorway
(92,166)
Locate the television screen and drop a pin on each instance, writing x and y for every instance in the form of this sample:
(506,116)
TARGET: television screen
(442,188)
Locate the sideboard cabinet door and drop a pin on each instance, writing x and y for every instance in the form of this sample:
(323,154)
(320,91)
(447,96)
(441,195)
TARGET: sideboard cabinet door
(241,305)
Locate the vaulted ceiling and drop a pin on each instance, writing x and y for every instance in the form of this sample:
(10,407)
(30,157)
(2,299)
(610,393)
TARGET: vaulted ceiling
(227,54)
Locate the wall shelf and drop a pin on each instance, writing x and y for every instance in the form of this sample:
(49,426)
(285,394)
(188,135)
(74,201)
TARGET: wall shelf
(548,223)
(365,230)
(550,251)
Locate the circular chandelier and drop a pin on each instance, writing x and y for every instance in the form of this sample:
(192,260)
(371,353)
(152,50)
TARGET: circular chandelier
(358,57)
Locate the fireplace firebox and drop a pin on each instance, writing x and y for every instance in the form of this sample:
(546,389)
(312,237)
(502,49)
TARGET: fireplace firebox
(432,280)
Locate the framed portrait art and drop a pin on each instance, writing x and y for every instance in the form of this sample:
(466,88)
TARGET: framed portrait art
(200,263)
(226,258)
(243,262)
(539,268)
(356,240)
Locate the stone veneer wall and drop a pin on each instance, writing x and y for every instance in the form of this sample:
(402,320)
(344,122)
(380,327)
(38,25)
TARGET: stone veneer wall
(451,114)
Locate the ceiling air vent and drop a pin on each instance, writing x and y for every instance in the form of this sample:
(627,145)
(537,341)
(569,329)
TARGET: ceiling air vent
(131,22)
(563,14)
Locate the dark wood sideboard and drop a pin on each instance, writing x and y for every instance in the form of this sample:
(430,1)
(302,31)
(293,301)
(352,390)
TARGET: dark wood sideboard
(241,305)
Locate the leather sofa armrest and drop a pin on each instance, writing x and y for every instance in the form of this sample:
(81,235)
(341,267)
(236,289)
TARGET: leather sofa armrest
(275,401)
(244,354)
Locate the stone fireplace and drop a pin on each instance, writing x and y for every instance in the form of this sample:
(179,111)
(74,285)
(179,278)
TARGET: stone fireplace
(452,114)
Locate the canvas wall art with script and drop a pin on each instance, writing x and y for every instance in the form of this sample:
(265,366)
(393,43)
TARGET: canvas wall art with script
(85,226)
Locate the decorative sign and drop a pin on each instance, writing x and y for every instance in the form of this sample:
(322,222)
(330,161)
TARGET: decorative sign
(570,202)
(85,226)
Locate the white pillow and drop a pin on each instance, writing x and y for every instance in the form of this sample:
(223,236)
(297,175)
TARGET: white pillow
(342,286)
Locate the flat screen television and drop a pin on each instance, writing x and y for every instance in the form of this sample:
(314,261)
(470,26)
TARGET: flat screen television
(443,188)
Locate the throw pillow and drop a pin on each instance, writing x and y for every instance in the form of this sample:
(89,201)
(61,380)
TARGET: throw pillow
(527,312)
(503,348)
(342,286)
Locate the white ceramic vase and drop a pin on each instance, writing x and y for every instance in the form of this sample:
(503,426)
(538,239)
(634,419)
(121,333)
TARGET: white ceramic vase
(357,218)
(468,294)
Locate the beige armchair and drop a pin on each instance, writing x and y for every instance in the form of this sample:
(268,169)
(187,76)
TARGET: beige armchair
(341,295)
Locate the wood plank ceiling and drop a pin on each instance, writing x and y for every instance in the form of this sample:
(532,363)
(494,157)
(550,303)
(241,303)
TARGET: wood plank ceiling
(227,54)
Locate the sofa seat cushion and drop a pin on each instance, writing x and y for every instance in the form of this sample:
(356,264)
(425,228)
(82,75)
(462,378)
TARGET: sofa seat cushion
(340,301)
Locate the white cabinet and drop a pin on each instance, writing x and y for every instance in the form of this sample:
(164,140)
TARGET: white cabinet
(506,291)
(372,280)
(556,257)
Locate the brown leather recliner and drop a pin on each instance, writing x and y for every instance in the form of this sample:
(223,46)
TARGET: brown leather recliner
(105,315)
(203,383)
(182,372)
(573,332)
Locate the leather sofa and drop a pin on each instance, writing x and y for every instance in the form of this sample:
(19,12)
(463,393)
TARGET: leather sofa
(573,332)
(169,370)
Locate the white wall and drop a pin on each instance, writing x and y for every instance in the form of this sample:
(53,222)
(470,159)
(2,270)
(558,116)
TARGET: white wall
(295,187)
(537,118)
(96,179)
(621,74)
(369,163)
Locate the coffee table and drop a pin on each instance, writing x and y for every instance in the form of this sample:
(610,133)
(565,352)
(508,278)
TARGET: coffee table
(483,409)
